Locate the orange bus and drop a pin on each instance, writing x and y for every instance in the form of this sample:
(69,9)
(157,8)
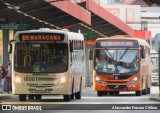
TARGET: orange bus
(121,64)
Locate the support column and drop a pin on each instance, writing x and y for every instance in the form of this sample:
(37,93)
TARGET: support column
(11,37)
(88,67)
(5,46)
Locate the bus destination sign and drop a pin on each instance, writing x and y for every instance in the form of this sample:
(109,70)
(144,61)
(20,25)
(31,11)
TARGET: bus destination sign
(41,37)
(117,43)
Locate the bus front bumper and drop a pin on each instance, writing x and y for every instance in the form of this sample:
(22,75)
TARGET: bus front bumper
(117,87)
(45,89)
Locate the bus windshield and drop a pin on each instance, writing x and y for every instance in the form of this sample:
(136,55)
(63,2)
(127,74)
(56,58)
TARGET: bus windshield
(116,61)
(31,57)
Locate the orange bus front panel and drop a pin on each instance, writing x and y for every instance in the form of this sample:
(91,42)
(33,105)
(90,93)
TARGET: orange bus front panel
(116,86)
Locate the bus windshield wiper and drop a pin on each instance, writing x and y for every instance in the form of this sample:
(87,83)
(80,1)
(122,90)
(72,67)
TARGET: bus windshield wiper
(124,53)
(107,51)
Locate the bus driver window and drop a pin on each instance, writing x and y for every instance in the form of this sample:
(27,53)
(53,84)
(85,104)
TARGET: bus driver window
(101,60)
(27,57)
(61,57)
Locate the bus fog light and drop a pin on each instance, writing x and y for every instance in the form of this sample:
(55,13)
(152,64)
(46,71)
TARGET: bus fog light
(63,79)
(133,86)
(18,80)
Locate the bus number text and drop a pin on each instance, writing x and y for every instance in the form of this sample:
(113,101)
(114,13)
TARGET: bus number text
(30,79)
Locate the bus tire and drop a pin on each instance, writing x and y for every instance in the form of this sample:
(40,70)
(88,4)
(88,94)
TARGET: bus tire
(30,96)
(139,93)
(22,97)
(38,97)
(111,93)
(99,93)
(148,91)
(144,92)
(66,97)
(116,92)
(106,93)
(78,94)
(72,96)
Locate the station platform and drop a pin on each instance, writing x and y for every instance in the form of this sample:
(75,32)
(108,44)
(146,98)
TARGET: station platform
(87,92)
(155,98)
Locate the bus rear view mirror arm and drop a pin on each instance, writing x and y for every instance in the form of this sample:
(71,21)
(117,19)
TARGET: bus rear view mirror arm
(10,47)
(71,46)
(143,52)
(90,54)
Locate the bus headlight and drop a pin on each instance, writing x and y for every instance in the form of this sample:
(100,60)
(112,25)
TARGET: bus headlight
(134,80)
(18,79)
(63,79)
(98,80)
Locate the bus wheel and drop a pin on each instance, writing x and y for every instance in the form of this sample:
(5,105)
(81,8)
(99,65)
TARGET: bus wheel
(144,92)
(116,92)
(66,97)
(106,93)
(38,97)
(99,93)
(72,96)
(148,91)
(22,97)
(78,94)
(139,93)
(30,96)
(111,93)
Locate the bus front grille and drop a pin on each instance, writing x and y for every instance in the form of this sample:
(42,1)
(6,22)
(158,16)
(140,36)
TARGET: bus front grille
(41,85)
(116,87)
(31,90)
(37,85)
(41,88)
(47,79)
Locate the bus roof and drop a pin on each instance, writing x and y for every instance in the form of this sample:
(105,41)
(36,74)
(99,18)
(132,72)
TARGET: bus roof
(46,30)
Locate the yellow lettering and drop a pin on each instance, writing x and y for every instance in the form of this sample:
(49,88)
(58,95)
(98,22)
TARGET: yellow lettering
(42,37)
(55,38)
(58,38)
(47,37)
(39,37)
(35,38)
(25,37)
(32,37)
(51,38)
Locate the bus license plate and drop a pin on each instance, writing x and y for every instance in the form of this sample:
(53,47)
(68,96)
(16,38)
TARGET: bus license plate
(40,89)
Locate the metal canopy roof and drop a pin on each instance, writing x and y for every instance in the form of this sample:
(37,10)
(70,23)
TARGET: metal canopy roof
(99,27)
(45,13)
(36,13)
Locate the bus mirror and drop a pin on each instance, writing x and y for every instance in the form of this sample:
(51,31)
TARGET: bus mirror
(10,47)
(90,54)
(143,52)
(71,46)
